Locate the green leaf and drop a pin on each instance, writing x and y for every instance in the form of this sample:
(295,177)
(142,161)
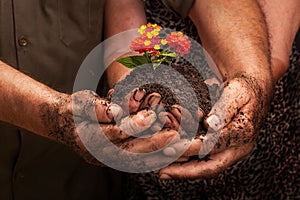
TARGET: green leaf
(133,61)
(156,63)
(168,54)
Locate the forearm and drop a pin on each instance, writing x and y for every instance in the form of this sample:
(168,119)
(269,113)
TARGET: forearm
(22,98)
(234,33)
(283,21)
(121,16)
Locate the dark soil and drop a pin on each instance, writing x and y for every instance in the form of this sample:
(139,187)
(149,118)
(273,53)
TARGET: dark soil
(179,84)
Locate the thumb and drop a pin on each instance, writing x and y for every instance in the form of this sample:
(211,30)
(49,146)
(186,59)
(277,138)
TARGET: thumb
(141,121)
(233,98)
(88,104)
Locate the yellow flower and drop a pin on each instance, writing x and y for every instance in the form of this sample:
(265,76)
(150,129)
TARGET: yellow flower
(156,32)
(150,35)
(147,42)
(164,42)
(142,29)
(150,25)
(157,47)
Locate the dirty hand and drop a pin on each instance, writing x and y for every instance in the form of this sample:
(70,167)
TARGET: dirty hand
(232,129)
(86,123)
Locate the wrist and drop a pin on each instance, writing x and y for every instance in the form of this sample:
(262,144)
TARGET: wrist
(52,114)
(263,76)
(262,88)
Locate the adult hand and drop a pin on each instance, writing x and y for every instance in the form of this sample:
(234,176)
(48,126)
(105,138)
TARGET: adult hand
(85,121)
(232,128)
(82,120)
(139,99)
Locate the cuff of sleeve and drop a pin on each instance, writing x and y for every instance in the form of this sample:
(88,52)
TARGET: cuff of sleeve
(180,7)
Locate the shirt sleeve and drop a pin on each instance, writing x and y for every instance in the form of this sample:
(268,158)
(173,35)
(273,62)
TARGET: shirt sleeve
(180,7)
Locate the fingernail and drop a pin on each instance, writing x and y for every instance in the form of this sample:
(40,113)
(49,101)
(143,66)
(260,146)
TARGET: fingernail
(138,95)
(116,111)
(169,151)
(165,177)
(214,122)
(154,99)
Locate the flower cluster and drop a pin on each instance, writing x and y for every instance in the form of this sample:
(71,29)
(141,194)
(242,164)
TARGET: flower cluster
(149,41)
(156,47)
(179,42)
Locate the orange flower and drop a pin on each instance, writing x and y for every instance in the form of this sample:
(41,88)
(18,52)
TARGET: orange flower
(179,42)
(151,40)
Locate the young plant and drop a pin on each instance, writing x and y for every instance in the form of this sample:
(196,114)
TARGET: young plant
(156,47)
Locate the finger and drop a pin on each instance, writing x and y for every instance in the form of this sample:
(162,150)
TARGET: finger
(156,126)
(233,98)
(168,120)
(138,122)
(185,118)
(239,132)
(97,136)
(187,148)
(177,149)
(112,133)
(151,100)
(206,169)
(135,162)
(87,104)
(200,114)
(106,112)
(98,110)
(154,143)
(212,81)
(110,93)
(135,100)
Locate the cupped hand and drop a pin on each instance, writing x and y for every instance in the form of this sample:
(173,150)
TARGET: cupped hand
(87,123)
(174,117)
(232,125)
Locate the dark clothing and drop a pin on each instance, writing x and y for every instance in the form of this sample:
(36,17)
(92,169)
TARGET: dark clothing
(179,7)
(270,171)
(47,40)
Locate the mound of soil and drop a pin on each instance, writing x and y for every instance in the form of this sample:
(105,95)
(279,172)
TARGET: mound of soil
(177,84)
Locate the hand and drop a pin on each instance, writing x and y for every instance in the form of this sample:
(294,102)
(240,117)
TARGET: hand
(85,122)
(176,115)
(232,129)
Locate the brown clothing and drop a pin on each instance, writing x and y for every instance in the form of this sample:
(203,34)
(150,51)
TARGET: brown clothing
(47,40)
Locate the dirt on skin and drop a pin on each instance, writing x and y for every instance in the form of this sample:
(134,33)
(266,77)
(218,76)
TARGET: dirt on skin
(177,84)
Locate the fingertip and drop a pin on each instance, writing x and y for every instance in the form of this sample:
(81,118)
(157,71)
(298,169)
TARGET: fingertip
(213,122)
(169,151)
(165,177)
(110,92)
(138,95)
(200,114)
(115,112)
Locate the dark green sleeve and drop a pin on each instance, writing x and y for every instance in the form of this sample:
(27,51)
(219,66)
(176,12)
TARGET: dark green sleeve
(180,7)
